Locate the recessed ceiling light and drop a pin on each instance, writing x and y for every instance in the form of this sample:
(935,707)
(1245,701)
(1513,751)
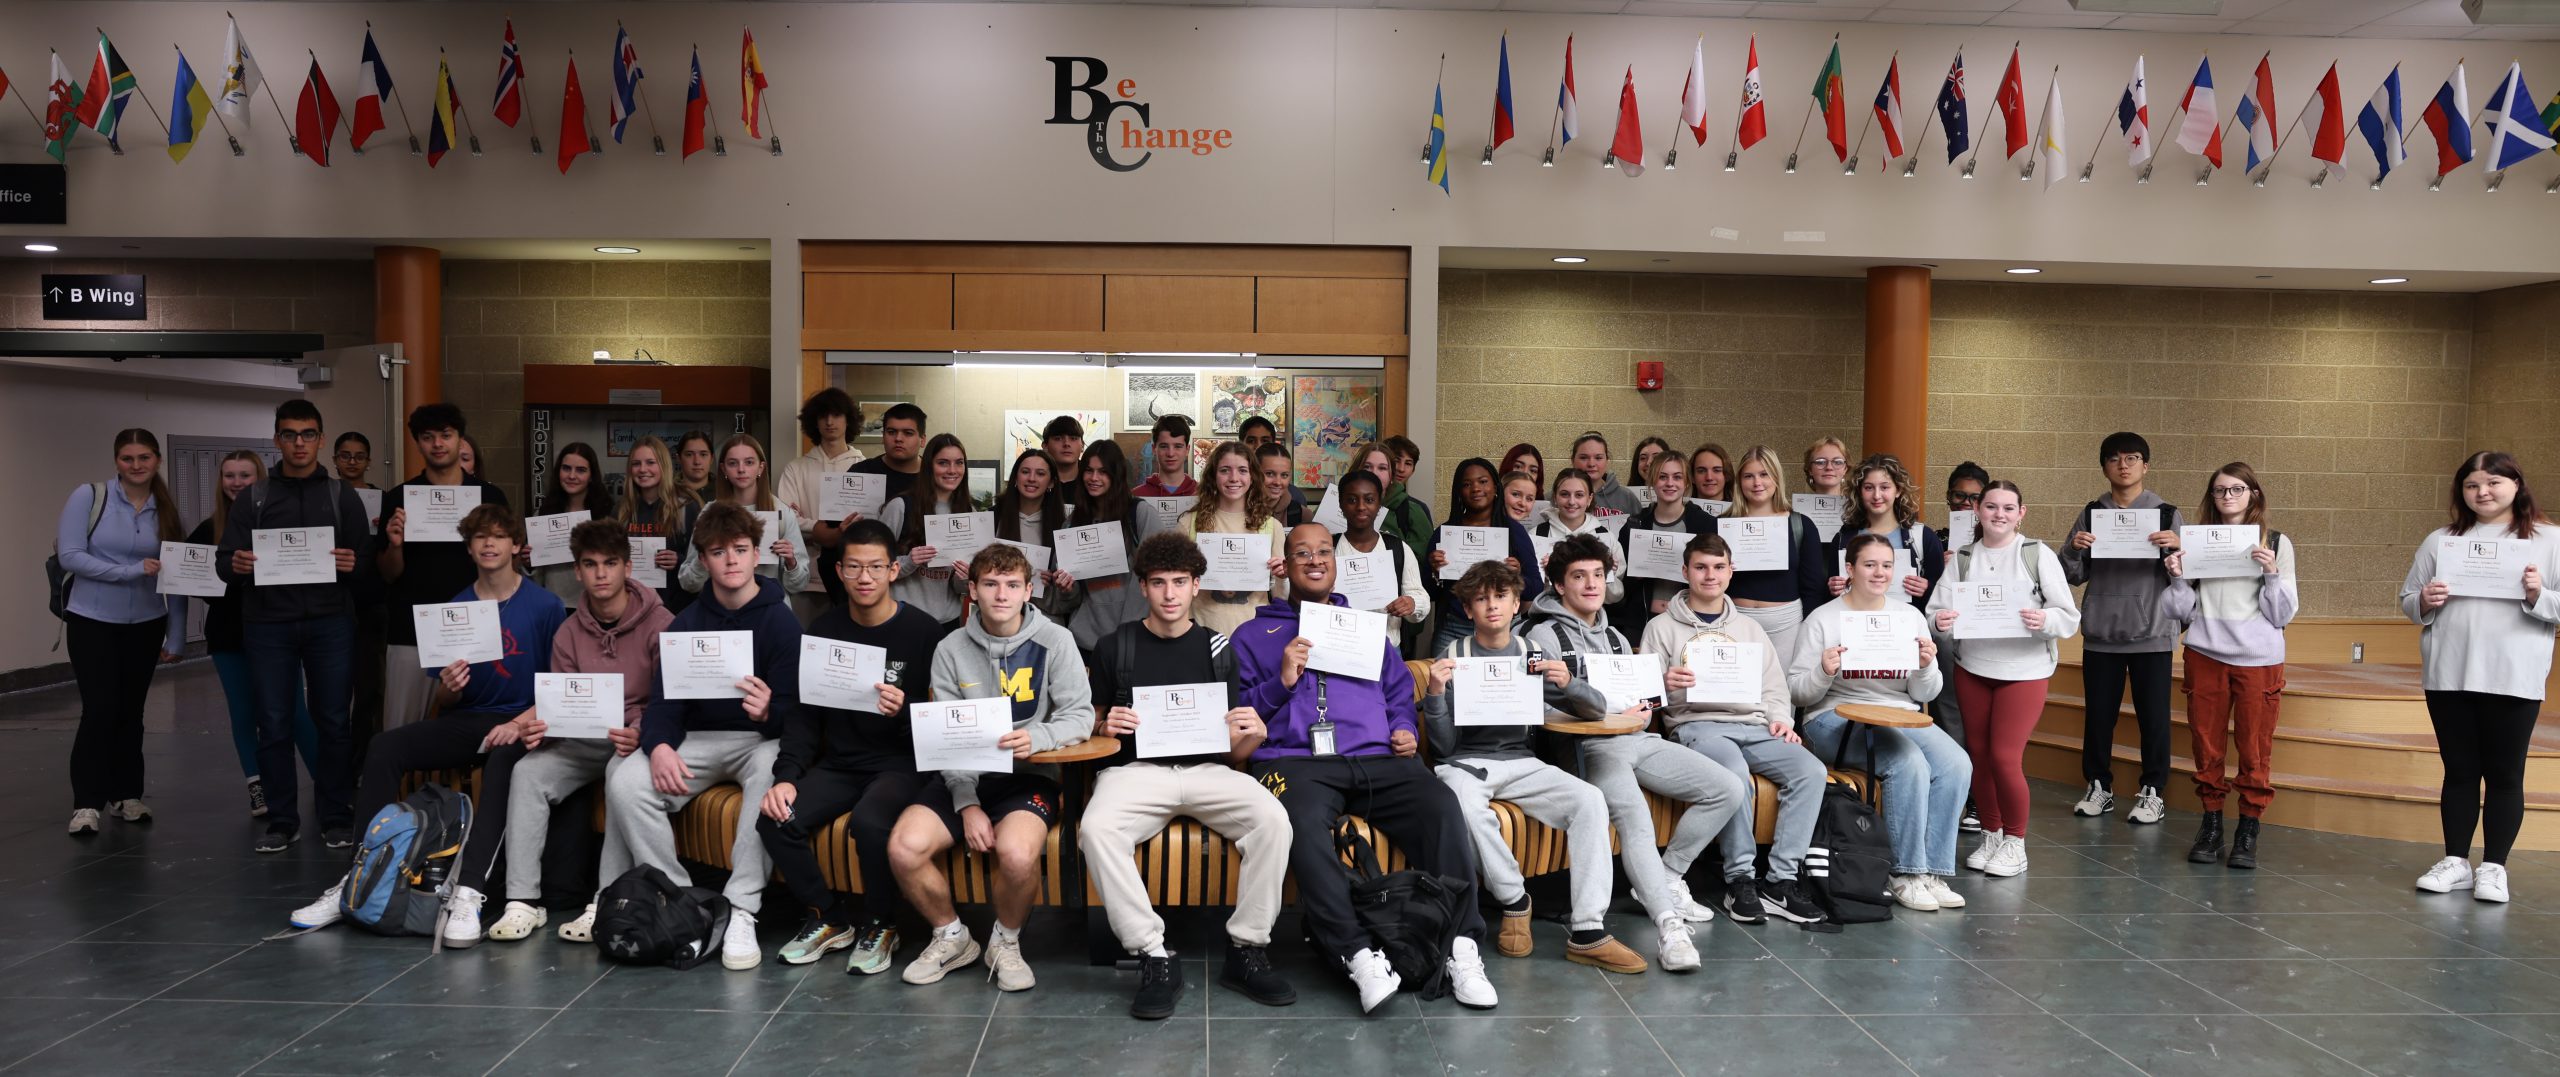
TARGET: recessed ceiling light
(1659,261)
(42,248)
(1571,260)
(2023,271)
(617,250)
(2266,276)
(2388,280)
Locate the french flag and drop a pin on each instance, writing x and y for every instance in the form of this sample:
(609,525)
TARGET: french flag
(2200,132)
(2448,117)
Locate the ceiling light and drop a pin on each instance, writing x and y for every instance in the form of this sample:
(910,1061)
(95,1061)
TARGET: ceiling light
(617,250)
(2510,12)
(42,248)
(2023,271)
(2149,7)
(1569,259)
(2388,280)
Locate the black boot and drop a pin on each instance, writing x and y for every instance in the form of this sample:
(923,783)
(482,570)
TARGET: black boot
(2244,843)
(2208,846)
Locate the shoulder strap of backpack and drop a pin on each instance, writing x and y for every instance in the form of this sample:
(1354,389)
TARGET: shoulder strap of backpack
(1354,849)
(1395,546)
(97,505)
(2031,557)
(1124,666)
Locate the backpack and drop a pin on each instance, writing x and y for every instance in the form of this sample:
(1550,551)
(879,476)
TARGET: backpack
(1849,865)
(644,918)
(1411,916)
(408,850)
(2026,559)
(58,580)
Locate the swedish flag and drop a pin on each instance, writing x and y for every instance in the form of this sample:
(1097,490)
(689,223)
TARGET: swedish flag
(1439,173)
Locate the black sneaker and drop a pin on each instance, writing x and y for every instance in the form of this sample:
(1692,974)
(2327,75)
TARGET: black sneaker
(277,839)
(1248,971)
(1159,987)
(1742,900)
(1785,900)
(338,837)
(1972,821)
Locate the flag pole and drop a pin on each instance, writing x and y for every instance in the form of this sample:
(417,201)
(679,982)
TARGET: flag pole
(719,142)
(1976,159)
(1671,156)
(1852,168)
(2174,112)
(1556,117)
(1733,143)
(2091,167)
(112,143)
(1807,125)
(772,119)
(444,70)
(657,144)
(236,151)
(524,89)
(595,146)
(290,140)
(1913,162)
(2029,172)
(31,109)
(414,149)
(1493,112)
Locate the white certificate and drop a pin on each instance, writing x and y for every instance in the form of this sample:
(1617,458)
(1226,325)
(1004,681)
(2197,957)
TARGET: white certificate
(549,536)
(1180,719)
(434,513)
(1656,554)
(644,561)
(1902,569)
(1822,509)
(772,523)
(1468,545)
(850,493)
(2219,551)
(290,555)
(705,665)
(1875,644)
(1544,547)
(958,536)
(187,569)
(1155,514)
(1496,691)
(2123,533)
(1624,680)
(1367,580)
(962,734)
(1962,526)
(450,632)
(579,706)
(1329,511)
(1989,609)
(2482,567)
(1039,558)
(1348,642)
(1091,553)
(1727,672)
(1758,542)
(1236,562)
(841,674)
(372,500)
(1712,506)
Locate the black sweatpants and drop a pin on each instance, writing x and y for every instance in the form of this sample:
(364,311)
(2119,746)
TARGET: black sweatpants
(1398,796)
(875,798)
(450,739)
(2483,739)
(113,664)
(2103,677)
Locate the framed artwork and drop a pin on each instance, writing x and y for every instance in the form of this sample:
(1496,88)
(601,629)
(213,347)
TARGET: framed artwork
(1149,395)
(872,410)
(621,434)
(1331,414)
(1234,398)
(1022,428)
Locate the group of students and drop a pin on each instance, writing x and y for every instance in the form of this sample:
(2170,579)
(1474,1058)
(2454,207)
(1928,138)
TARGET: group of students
(1072,654)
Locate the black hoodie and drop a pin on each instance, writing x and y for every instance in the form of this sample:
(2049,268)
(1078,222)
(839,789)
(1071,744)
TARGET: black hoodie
(777,663)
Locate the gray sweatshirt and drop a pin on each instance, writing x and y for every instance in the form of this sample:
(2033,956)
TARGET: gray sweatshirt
(1669,634)
(2120,610)
(1451,741)
(2486,644)
(1612,497)
(1559,632)
(1037,667)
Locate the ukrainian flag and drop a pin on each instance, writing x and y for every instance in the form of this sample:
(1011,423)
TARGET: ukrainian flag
(188,109)
(1439,173)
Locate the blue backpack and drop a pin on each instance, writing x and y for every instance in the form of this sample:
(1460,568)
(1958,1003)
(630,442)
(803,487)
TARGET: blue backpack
(395,887)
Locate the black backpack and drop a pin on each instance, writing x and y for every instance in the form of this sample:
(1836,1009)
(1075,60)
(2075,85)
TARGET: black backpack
(57,579)
(1411,915)
(644,918)
(1848,868)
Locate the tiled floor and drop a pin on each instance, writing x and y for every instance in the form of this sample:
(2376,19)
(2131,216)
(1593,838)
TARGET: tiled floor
(141,952)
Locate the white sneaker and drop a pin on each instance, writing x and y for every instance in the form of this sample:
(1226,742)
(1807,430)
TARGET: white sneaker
(323,912)
(2096,802)
(1466,975)
(462,918)
(1679,951)
(1005,964)
(942,953)
(2490,883)
(1689,908)
(1946,895)
(739,950)
(1912,892)
(2009,860)
(1376,979)
(2450,874)
(1991,842)
(2147,808)
(84,821)
(582,929)
(131,811)
(519,922)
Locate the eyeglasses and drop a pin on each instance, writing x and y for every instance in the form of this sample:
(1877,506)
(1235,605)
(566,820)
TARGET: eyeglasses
(2228,492)
(355,456)
(1957,499)
(1309,557)
(297,435)
(867,568)
(1830,461)
(2124,458)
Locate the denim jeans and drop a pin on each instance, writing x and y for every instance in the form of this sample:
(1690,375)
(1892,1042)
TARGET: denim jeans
(310,660)
(1925,775)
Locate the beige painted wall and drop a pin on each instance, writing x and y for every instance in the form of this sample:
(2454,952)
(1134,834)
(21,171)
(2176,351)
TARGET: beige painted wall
(2515,377)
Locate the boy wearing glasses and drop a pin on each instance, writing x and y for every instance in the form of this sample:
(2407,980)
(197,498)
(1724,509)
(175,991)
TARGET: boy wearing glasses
(2128,638)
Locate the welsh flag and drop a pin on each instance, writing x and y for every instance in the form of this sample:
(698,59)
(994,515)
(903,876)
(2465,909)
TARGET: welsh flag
(1833,100)
(61,105)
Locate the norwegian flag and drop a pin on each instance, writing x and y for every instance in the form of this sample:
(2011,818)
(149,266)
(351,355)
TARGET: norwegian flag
(510,103)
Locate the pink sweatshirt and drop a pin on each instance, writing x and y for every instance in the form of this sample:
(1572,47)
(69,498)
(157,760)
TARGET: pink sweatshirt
(629,648)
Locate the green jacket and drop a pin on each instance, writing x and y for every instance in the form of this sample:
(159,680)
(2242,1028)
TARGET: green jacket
(1406,517)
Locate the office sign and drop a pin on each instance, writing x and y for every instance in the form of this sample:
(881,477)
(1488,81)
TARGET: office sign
(33,194)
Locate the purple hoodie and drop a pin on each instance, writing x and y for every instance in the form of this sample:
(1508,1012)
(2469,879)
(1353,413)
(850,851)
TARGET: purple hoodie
(1363,712)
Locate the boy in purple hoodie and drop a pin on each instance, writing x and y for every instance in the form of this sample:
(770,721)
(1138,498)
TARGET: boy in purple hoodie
(1343,746)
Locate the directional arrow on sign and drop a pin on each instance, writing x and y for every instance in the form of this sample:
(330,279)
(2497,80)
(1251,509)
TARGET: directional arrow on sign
(57,295)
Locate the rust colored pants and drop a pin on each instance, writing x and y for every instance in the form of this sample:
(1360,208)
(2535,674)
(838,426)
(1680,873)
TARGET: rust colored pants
(2234,705)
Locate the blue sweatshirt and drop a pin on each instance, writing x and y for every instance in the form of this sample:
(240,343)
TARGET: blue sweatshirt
(1363,712)
(527,622)
(777,663)
(1454,612)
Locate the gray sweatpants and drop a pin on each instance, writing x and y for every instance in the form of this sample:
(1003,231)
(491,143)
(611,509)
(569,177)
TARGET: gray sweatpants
(1625,768)
(1745,749)
(546,776)
(1551,796)
(639,825)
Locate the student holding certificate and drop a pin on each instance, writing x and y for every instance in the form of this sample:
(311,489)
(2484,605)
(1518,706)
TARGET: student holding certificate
(1473,503)
(1646,598)
(1361,494)
(1030,511)
(1924,772)
(744,481)
(1140,789)
(2002,678)
(1884,503)
(119,627)
(658,507)
(1100,496)
(2485,661)
(828,420)
(2235,662)
(223,635)
(577,485)
(2128,642)
(1776,596)
(942,489)
(1232,502)
(413,573)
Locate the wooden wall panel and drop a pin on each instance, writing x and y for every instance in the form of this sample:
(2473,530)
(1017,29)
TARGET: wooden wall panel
(1027,301)
(904,301)
(1330,305)
(1154,304)
(1104,258)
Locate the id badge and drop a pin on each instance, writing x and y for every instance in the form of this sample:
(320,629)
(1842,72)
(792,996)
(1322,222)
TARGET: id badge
(1320,738)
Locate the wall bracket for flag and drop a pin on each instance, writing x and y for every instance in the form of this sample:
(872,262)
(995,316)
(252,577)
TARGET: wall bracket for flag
(2204,176)
(1731,158)
(719,146)
(2321,178)
(2554,188)
(1549,161)
(2495,178)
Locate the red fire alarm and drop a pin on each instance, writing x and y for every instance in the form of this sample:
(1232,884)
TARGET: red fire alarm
(1648,375)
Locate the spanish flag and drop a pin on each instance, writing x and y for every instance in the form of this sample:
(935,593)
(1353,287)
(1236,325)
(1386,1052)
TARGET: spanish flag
(751,86)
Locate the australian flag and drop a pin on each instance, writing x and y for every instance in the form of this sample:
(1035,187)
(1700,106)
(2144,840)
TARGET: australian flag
(1951,111)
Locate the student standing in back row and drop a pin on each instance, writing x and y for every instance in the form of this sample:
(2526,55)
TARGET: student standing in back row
(2235,662)
(942,488)
(1232,503)
(1169,449)
(1259,435)
(240,470)
(659,507)
(353,454)
(1591,457)
(419,572)
(119,626)
(1403,515)
(829,420)
(1777,599)
(1884,503)
(577,485)
(2129,639)
(1646,598)
(744,482)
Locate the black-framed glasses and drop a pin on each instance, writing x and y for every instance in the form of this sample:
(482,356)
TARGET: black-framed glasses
(2229,492)
(297,435)
(1960,500)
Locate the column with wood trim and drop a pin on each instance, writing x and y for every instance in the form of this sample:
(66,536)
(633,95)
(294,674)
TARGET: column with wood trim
(408,309)
(1897,375)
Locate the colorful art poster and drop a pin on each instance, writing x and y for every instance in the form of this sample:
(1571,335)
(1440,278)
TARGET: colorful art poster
(1022,430)
(1332,415)
(1234,398)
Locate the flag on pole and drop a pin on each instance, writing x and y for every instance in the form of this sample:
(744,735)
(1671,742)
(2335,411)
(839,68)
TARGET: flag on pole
(1754,124)
(315,116)
(2550,112)
(2326,116)
(440,129)
(1565,99)
(374,79)
(1829,97)
(2256,118)
(1628,146)
(2200,131)
(1502,128)
(1889,107)
(626,83)
(752,83)
(2012,103)
(697,107)
(240,77)
(4,81)
(188,110)
(1693,93)
(2516,132)
(2381,126)
(1951,110)
(2448,118)
(61,102)
(573,119)
(2133,117)
(1436,169)
(508,107)
(2051,149)
(111,83)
